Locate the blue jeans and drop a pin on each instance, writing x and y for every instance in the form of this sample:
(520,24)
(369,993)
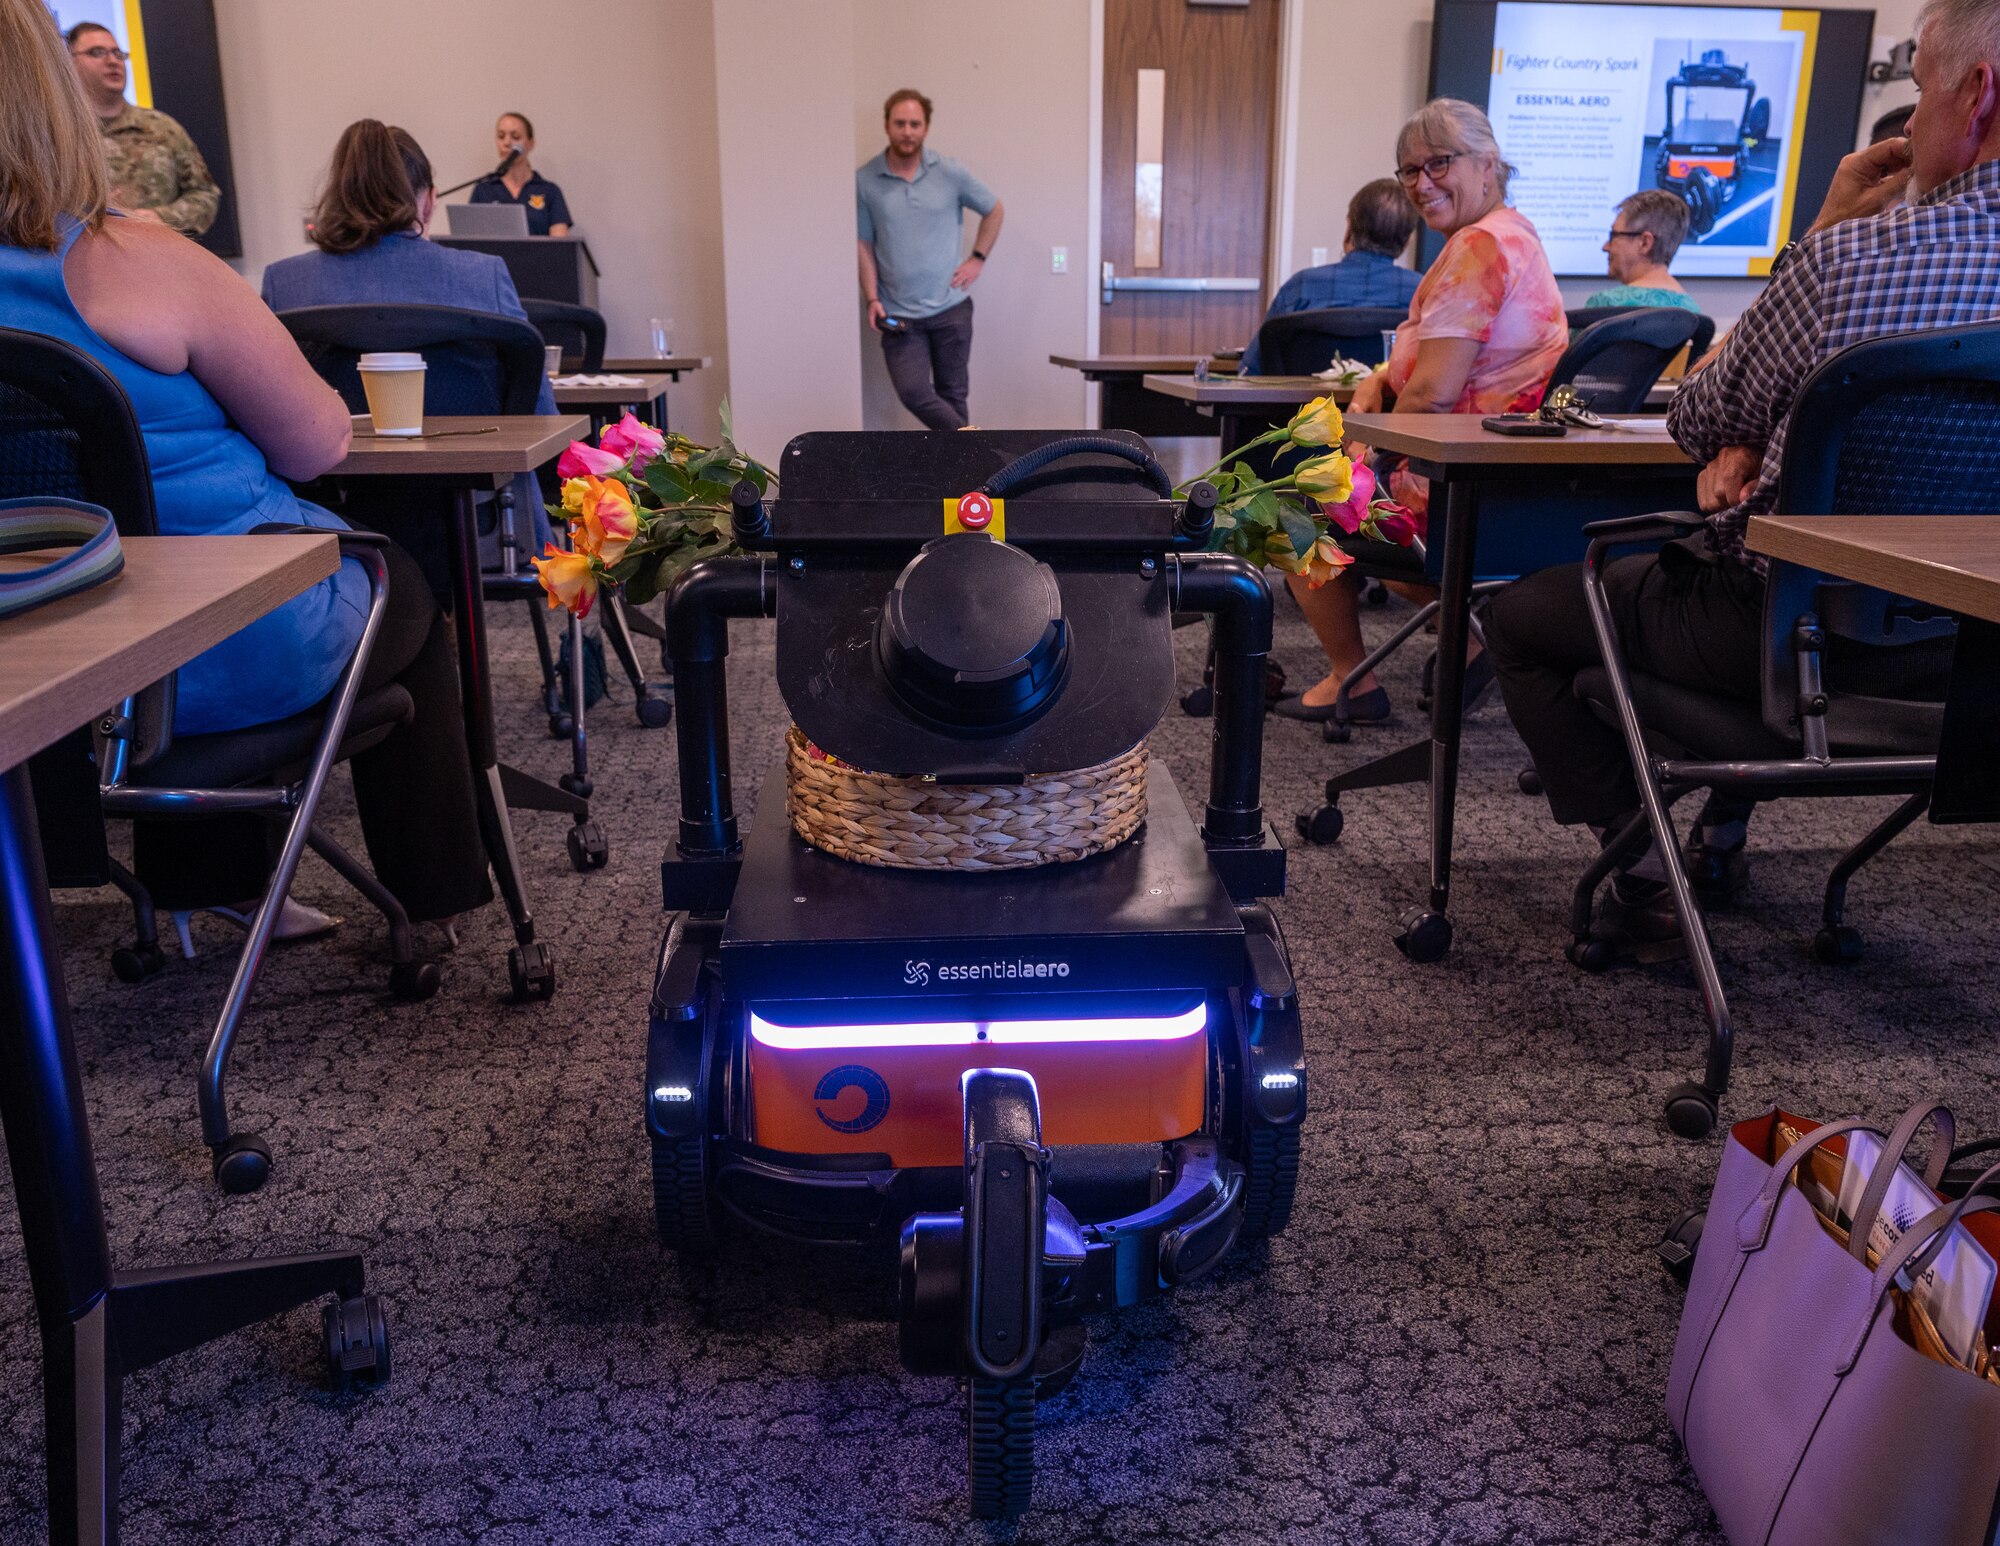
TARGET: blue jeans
(928,361)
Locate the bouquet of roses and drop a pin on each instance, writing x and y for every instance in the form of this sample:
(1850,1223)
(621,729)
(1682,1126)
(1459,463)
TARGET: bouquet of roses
(642,505)
(1287,522)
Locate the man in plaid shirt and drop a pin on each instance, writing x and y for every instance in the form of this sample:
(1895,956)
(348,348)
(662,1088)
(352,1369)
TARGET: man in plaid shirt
(1908,238)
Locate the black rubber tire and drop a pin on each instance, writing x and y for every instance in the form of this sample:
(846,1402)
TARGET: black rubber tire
(1375,593)
(569,783)
(561,727)
(1704,200)
(1690,1111)
(414,981)
(1837,945)
(531,971)
(1198,702)
(1425,936)
(1528,781)
(1270,1181)
(1000,1445)
(1758,124)
(1592,955)
(655,712)
(1337,732)
(135,963)
(1321,826)
(684,1213)
(355,1339)
(588,849)
(242,1163)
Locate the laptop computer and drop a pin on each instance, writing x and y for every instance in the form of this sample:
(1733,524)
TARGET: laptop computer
(486,220)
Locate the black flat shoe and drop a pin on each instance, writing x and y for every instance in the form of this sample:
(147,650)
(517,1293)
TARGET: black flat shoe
(1366,708)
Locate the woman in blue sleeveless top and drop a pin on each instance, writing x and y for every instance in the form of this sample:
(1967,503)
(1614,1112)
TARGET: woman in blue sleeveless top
(229,409)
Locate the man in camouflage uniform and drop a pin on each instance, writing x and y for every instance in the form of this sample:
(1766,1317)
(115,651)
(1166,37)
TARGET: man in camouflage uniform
(156,173)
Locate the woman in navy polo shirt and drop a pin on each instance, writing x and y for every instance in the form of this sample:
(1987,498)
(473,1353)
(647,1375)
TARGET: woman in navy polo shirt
(548,214)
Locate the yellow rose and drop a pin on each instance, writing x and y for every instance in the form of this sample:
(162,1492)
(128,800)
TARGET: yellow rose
(573,490)
(606,523)
(1324,562)
(1330,479)
(569,578)
(1317,424)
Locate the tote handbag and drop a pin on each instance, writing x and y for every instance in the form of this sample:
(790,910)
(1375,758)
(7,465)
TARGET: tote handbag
(1807,1415)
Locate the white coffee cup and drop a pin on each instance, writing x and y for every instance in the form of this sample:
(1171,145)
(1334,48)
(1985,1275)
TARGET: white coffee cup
(394,384)
(552,359)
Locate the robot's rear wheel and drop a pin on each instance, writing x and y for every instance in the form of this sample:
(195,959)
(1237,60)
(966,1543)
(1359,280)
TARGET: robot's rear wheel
(685,1213)
(1000,1444)
(1271,1177)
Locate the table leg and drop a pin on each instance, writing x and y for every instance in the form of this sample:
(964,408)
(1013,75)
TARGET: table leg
(1425,932)
(1968,761)
(55,1187)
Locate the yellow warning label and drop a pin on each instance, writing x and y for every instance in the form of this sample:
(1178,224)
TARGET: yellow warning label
(976,513)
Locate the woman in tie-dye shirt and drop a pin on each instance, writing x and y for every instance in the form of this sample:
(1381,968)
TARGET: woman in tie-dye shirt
(1485,329)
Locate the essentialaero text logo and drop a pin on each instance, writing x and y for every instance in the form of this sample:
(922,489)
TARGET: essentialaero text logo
(1015,970)
(836,1082)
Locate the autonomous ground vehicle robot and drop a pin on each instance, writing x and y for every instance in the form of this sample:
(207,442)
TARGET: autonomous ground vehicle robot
(1065,1088)
(1714,120)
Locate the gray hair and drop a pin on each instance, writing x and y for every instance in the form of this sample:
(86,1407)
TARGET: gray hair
(1955,35)
(1449,124)
(1663,214)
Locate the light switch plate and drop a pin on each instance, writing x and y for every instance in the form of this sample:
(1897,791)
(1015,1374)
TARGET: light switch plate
(1319,257)
(1059,260)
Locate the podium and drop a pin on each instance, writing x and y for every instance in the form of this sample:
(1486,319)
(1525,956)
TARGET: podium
(547,268)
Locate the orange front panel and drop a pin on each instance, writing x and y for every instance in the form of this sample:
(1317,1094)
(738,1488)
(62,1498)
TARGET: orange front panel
(904,1101)
(1724,168)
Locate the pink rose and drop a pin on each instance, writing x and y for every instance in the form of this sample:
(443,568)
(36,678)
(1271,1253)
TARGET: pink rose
(584,460)
(637,443)
(1395,524)
(1349,515)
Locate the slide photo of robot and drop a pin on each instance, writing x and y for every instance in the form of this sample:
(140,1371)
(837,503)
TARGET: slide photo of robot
(1717,134)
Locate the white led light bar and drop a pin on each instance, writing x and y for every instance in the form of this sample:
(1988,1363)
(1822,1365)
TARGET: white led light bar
(971,1033)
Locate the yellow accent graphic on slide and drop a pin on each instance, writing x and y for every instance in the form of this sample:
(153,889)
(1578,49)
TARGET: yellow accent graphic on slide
(1499,60)
(982,516)
(1806,23)
(135,44)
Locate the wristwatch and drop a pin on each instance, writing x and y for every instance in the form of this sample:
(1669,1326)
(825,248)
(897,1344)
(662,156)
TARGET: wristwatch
(1783,257)
(979,255)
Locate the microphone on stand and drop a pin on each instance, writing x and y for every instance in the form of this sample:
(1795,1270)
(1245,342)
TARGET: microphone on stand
(493,176)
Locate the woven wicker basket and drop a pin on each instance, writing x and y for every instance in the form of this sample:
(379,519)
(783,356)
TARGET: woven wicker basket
(915,824)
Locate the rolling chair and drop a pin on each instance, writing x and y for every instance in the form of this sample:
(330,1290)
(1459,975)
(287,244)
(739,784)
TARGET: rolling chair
(1614,362)
(1299,343)
(67,430)
(1852,678)
(576,330)
(1581,317)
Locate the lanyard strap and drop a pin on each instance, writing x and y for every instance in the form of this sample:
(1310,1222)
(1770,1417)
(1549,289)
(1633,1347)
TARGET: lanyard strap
(30,524)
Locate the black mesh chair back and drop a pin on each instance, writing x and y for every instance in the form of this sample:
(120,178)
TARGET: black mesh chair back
(576,330)
(1906,425)
(1302,342)
(1581,317)
(1614,363)
(475,362)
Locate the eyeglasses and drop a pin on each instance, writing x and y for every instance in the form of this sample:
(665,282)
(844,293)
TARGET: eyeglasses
(1615,233)
(100,53)
(1434,169)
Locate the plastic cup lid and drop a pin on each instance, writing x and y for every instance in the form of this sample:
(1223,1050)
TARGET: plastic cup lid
(392,362)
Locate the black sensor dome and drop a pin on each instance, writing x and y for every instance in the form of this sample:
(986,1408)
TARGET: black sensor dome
(972,634)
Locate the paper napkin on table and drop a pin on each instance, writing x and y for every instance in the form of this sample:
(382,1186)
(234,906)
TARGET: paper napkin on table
(599,381)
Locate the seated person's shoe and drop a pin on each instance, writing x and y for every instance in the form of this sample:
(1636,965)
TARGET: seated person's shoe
(1363,708)
(1642,931)
(1718,875)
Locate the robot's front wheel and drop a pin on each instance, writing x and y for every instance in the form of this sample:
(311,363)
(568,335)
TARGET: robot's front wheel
(1000,1445)
(1270,1178)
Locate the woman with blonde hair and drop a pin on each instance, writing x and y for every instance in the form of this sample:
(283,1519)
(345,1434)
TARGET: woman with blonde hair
(1485,329)
(229,410)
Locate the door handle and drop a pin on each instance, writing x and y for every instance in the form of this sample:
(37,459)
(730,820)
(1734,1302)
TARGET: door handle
(1113,283)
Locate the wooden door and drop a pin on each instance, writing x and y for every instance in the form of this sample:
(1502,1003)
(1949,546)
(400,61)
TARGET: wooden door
(1196,86)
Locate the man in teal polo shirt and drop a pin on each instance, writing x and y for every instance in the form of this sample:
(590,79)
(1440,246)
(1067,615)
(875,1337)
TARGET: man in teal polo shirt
(907,202)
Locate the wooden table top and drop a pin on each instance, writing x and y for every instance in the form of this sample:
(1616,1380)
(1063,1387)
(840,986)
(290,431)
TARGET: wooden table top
(63,664)
(651,385)
(626,365)
(1248,391)
(1949,561)
(516,443)
(1456,440)
(1137,364)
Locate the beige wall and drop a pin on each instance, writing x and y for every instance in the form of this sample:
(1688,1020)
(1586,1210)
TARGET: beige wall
(1012,87)
(635,153)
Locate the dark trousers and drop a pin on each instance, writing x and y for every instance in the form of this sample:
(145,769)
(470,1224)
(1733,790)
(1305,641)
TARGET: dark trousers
(413,791)
(929,361)
(1681,616)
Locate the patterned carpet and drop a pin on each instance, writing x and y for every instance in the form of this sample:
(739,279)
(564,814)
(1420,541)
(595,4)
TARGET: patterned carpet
(1463,1338)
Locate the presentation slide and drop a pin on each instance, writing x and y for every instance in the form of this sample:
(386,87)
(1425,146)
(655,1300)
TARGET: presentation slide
(1595,102)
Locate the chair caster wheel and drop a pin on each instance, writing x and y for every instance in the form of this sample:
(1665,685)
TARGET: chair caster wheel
(1529,781)
(1198,702)
(1591,954)
(1837,945)
(561,727)
(531,970)
(1424,703)
(1678,1245)
(1376,594)
(1322,826)
(570,783)
(1425,935)
(1690,1111)
(241,1163)
(1338,732)
(414,981)
(135,963)
(357,1343)
(655,711)
(587,848)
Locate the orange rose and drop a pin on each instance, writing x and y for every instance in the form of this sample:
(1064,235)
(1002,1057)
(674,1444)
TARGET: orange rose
(606,522)
(569,578)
